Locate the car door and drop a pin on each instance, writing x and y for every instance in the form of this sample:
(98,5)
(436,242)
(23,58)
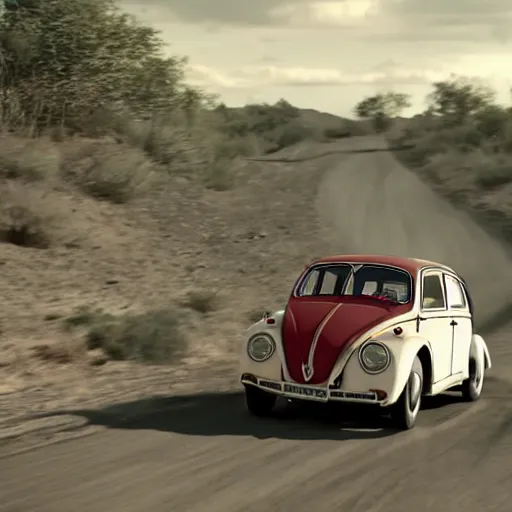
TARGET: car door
(435,323)
(458,306)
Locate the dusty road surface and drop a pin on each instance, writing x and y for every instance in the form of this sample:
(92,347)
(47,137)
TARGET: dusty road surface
(203,453)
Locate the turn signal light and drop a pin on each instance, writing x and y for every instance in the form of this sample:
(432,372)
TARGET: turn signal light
(380,393)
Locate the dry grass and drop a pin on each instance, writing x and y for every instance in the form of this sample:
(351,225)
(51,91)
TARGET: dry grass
(27,217)
(28,169)
(59,353)
(82,317)
(154,337)
(173,238)
(201,301)
(113,172)
(28,159)
(465,164)
(220,176)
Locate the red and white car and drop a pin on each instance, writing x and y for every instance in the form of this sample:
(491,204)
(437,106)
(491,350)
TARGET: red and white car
(368,329)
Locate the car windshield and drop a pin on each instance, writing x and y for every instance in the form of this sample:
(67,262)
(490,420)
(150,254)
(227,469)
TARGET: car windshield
(357,280)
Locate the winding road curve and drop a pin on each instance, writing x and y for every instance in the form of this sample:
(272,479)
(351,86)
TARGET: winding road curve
(203,453)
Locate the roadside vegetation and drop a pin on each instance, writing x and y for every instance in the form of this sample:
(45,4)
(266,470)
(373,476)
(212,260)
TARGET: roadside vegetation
(461,145)
(92,106)
(93,109)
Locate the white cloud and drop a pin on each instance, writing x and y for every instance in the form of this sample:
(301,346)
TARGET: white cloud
(205,76)
(261,76)
(412,20)
(268,49)
(325,13)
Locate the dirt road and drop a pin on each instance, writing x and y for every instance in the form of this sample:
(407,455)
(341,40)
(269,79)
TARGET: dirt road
(204,453)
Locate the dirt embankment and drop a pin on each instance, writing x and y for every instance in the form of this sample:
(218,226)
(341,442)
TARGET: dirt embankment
(213,259)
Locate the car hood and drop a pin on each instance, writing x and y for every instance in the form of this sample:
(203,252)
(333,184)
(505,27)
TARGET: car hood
(316,332)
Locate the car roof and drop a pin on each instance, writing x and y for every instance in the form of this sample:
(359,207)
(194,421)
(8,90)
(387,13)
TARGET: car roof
(411,265)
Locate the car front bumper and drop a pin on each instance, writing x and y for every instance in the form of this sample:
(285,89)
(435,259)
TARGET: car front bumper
(313,393)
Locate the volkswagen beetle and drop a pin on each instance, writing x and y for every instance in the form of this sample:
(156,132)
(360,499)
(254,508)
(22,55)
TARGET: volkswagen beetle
(367,329)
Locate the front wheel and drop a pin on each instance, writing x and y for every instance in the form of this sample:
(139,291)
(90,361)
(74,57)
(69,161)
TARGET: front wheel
(405,411)
(259,402)
(472,386)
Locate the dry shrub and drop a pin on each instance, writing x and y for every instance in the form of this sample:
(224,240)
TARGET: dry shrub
(220,176)
(203,301)
(153,337)
(494,176)
(59,353)
(83,317)
(221,154)
(166,144)
(113,172)
(28,159)
(166,140)
(340,132)
(27,217)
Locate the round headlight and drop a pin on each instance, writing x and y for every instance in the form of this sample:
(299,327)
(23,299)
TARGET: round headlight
(261,347)
(374,357)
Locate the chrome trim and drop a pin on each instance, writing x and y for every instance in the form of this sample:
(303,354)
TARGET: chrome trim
(317,393)
(301,280)
(308,369)
(364,346)
(261,335)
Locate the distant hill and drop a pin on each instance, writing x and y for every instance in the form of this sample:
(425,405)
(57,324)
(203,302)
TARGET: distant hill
(311,117)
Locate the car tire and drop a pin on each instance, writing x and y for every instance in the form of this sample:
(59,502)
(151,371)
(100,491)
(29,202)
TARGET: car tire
(473,385)
(259,402)
(405,411)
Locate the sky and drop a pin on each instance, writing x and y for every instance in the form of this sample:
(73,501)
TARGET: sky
(329,54)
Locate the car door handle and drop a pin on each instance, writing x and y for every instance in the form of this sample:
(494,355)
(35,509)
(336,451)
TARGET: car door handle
(453,323)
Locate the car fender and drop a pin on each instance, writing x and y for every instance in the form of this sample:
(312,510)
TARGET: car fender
(270,369)
(480,352)
(404,352)
(262,325)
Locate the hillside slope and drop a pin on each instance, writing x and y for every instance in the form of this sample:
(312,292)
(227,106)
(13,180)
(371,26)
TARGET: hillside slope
(214,259)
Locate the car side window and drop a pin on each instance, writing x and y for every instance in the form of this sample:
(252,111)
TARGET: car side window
(308,288)
(455,293)
(329,283)
(433,292)
(369,288)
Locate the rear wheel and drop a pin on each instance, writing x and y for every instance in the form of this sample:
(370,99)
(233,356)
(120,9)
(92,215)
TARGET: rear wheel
(472,386)
(405,411)
(259,402)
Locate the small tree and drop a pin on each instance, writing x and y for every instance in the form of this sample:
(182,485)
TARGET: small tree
(493,122)
(458,98)
(381,108)
(65,59)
